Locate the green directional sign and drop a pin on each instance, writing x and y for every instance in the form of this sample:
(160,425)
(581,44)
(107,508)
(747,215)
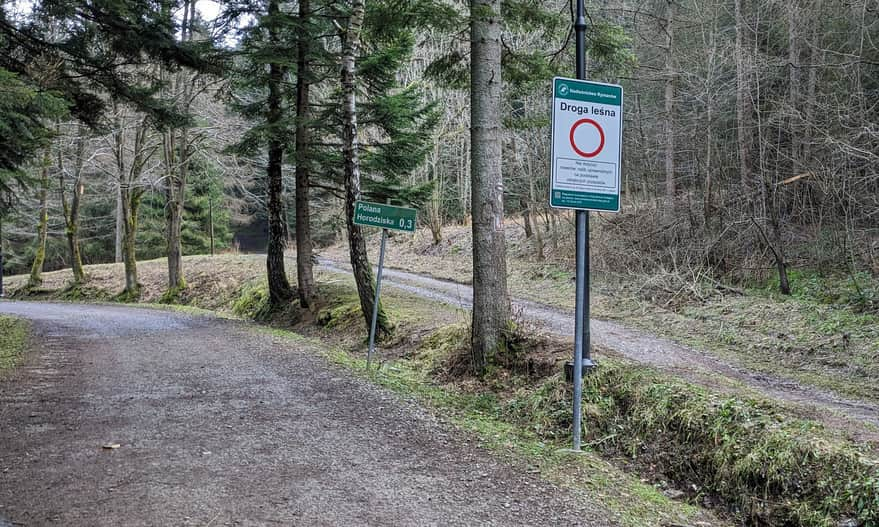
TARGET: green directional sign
(384,216)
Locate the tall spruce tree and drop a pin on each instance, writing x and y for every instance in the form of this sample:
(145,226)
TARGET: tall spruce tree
(377,39)
(305,69)
(267,58)
(103,51)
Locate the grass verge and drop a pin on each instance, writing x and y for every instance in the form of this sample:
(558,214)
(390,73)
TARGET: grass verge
(13,341)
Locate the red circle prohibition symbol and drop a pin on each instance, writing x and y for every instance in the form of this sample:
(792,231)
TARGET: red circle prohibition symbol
(600,135)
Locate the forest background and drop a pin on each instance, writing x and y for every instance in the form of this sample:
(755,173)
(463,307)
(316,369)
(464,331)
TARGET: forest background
(750,153)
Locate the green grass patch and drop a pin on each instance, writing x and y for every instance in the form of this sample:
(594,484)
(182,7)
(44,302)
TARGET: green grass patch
(13,341)
(857,291)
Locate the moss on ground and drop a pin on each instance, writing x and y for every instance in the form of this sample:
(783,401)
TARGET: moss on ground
(13,341)
(768,468)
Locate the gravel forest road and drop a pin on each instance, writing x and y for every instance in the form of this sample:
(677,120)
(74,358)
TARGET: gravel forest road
(860,418)
(219,423)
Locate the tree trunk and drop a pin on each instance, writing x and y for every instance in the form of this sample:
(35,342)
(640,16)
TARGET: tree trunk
(707,206)
(794,53)
(743,99)
(174,188)
(491,303)
(669,108)
(177,165)
(119,225)
(36,277)
(130,205)
(174,224)
(304,245)
(211,222)
(356,244)
(811,84)
(71,209)
(279,287)
(526,219)
(532,200)
(780,263)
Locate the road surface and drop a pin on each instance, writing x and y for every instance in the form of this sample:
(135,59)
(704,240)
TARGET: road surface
(219,423)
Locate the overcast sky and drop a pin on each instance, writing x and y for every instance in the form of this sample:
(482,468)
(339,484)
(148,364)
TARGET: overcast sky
(207,8)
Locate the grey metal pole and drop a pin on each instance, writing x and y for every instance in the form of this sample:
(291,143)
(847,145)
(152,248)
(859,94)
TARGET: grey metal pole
(578,325)
(378,291)
(581,317)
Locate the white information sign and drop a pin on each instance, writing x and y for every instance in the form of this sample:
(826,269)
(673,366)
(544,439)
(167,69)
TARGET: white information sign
(587,136)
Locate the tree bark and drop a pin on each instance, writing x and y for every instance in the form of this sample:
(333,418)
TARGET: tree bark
(130,195)
(809,107)
(669,107)
(280,291)
(743,99)
(176,150)
(532,207)
(119,225)
(356,244)
(130,205)
(491,304)
(71,209)
(174,226)
(526,219)
(175,181)
(304,245)
(36,276)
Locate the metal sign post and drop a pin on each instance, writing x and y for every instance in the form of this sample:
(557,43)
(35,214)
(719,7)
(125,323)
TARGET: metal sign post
(585,175)
(387,217)
(581,322)
(378,292)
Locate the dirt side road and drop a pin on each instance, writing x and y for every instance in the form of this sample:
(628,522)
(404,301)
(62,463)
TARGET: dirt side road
(219,424)
(861,418)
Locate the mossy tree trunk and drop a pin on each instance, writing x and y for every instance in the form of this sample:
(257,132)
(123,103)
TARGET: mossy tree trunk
(71,208)
(356,244)
(131,189)
(36,276)
(130,204)
(175,148)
